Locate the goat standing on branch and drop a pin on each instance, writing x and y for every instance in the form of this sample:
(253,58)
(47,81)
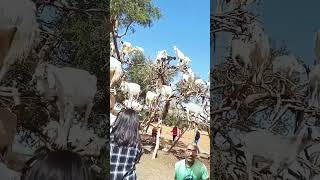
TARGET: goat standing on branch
(72,87)
(281,152)
(285,65)
(252,53)
(132,89)
(115,71)
(151,98)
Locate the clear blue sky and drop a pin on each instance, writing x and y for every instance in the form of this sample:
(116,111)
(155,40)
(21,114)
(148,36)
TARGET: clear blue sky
(290,21)
(186,24)
(294,22)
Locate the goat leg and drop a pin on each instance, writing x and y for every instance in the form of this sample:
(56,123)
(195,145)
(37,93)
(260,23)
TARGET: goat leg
(3,70)
(249,158)
(69,111)
(61,140)
(87,114)
(61,112)
(64,129)
(313,101)
(274,169)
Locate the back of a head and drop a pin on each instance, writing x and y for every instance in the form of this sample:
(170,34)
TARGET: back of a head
(126,128)
(59,165)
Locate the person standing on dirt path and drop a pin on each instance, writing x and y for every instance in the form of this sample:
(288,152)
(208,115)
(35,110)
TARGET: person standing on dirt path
(197,137)
(174,132)
(125,146)
(191,168)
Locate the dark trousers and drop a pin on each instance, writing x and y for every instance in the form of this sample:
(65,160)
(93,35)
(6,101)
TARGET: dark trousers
(174,137)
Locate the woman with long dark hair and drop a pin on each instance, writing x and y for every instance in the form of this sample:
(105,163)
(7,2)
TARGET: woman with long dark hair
(59,165)
(125,146)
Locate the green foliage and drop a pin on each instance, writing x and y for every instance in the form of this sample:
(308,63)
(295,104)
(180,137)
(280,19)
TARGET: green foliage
(141,71)
(89,43)
(127,12)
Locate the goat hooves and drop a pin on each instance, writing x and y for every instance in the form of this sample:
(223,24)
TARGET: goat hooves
(61,143)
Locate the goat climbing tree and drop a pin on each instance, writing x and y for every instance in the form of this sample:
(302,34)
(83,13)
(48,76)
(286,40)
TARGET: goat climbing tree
(240,105)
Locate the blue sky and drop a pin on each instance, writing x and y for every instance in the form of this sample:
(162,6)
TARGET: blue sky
(294,23)
(184,23)
(290,21)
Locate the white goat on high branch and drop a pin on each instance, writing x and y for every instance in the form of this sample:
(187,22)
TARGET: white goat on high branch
(72,87)
(280,151)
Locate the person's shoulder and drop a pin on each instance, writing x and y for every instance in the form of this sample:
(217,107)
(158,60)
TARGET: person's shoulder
(199,163)
(179,163)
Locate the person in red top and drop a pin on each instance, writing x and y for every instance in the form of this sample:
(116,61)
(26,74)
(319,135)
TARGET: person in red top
(174,133)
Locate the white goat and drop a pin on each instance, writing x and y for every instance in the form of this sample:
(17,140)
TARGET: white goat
(314,82)
(134,105)
(161,55)
(72,87)
(262,39)
(241,52)
(200,82)
(112,49)
(252,53)
(317,46)
(126,48)
(281,151)
(184,62)
(165,91)
(132,89)
(189,76)
(137,48)
(115,70)
(151,97)
(179,54)
(18,31)
(285,65)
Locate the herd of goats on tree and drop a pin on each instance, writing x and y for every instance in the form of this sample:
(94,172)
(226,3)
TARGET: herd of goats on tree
(188,99)
(265,102)
(66,88)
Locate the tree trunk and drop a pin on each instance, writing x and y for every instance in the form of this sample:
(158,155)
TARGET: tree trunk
(115,38)
(151,117)
(166,109)
(156,148)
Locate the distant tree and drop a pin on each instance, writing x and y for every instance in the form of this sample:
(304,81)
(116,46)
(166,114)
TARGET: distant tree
(125,14)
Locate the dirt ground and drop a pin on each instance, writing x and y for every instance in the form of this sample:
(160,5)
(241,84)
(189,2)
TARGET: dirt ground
(162,168)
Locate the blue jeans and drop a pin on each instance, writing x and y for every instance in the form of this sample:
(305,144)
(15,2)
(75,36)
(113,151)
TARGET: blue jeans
(196,141)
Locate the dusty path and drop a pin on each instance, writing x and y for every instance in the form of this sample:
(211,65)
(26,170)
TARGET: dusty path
(162,168)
